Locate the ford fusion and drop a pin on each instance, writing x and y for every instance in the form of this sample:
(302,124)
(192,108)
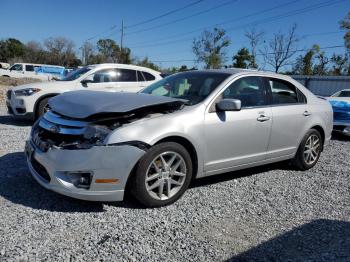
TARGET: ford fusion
(97,145)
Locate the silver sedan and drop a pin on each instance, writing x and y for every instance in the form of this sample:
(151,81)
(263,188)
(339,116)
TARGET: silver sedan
(95,145)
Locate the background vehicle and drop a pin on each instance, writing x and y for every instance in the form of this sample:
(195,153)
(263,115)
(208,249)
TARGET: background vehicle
(95,145)
(4,65)
(29,101)
(37,71)
(340,102)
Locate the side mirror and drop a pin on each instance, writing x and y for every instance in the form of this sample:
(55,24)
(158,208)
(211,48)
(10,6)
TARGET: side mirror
(85,82)
(229,105)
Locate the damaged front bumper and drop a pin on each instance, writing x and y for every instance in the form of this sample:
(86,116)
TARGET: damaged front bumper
(103,171)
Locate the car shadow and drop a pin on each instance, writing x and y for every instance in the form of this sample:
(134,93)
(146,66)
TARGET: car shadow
(18,186)
(340,137)
(319,240)
(284,165)
(10,120)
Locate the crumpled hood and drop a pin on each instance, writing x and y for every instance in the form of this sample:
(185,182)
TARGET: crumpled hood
(83,104)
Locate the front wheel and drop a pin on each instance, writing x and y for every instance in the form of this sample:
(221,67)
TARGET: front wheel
(162,175)
(309,150)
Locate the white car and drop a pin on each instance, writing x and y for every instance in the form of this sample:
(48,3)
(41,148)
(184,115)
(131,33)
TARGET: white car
(21,70)
(30,101)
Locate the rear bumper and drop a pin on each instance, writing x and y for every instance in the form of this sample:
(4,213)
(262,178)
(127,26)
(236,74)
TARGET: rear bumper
(57,168)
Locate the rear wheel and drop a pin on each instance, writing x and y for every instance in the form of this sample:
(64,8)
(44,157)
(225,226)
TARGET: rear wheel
(309,150)
(162,175)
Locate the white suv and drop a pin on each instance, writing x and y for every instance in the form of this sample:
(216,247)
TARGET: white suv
(30,101)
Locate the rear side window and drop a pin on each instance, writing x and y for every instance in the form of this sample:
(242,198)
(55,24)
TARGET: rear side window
(30,68)
(250,90)
(283,92)
(140,77)
(127,75)
(148,76)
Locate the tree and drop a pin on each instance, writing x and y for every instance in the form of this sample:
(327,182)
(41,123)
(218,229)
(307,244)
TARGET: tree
(304,64)
(11,48)
(210,48)
(61,51)
(254,40)
(320,68)
(242,59)
(280,49)
(146,63)
(87,52)
(109,49)
(345,24)
(340,65)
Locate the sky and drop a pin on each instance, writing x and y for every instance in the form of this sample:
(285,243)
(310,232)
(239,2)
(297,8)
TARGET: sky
(164,30)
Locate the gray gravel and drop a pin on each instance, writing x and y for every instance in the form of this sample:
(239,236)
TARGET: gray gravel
(269,213)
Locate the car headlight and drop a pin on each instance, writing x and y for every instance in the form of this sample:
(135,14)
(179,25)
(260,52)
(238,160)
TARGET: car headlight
(27,91)
(96,133)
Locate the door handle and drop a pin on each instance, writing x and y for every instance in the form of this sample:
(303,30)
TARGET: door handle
(306,113)
(263,118)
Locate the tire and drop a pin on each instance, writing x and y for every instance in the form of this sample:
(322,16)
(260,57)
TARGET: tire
(306,158)
(41,109)
(154,192)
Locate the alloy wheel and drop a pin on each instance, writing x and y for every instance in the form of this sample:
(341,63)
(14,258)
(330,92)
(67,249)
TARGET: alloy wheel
(312,149)
(165,175)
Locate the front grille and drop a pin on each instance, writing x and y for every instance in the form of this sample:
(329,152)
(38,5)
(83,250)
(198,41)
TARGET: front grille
(53,129)
(8,94)
(341,116)
(40,169)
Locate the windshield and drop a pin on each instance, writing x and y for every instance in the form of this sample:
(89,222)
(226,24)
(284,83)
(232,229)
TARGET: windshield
(192,86)
(344,93)
(76,74)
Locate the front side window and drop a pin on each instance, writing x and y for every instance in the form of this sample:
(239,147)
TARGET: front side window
(16,67)
(103,76)
(250,90)
(283,92)
(191,86)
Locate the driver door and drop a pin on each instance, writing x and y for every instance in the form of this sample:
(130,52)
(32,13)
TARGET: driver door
(238,138)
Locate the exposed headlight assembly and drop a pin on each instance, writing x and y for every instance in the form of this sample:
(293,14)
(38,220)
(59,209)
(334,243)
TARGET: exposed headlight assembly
(27,91)
(96,133)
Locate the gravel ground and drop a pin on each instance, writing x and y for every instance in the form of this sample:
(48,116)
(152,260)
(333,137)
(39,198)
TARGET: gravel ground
(269,213)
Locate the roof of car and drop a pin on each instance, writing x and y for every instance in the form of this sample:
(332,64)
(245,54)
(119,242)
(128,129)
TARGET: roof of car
(123,66)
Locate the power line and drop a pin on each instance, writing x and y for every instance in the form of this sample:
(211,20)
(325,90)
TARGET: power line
(165,14)
(261,21)
(183,18)
(228,21)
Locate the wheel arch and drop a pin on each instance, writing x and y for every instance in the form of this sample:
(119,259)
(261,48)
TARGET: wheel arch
(321,131)
(37,102)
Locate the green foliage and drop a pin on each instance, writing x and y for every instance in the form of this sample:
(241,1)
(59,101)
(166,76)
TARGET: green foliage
(11,48)
(210,48)
(345,24)
(242,59)
(146,63)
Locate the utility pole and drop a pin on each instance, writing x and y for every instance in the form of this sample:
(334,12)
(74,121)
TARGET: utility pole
(121,41)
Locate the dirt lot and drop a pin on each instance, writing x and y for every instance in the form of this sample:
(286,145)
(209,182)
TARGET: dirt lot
(270,213)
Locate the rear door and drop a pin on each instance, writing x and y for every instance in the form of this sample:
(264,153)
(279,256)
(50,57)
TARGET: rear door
(290,117)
